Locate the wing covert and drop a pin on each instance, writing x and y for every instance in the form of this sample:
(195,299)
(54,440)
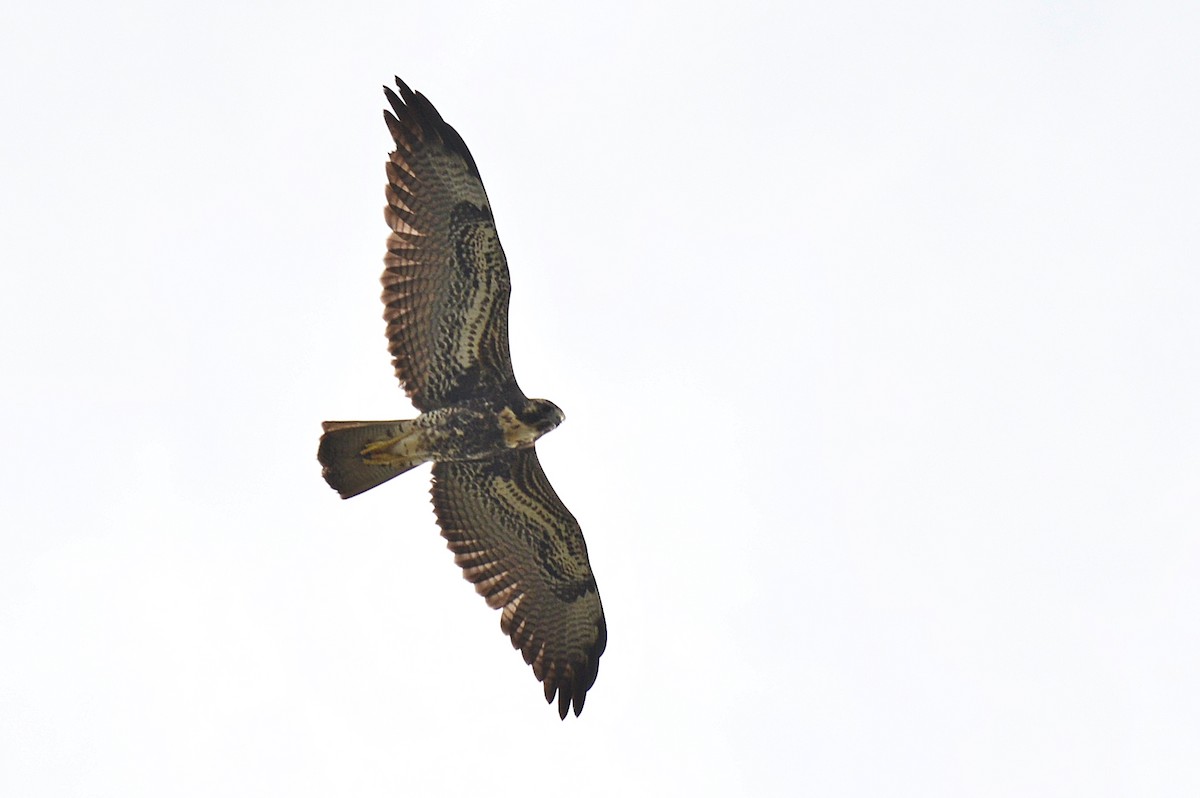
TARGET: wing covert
(525,553)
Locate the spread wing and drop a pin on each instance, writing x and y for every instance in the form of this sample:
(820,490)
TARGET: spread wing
(446,284)
(518,543)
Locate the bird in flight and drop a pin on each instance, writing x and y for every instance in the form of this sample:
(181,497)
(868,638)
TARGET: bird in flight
(445,294)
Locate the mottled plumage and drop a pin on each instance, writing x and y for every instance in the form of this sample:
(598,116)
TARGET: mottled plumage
(446,285)
(445,291)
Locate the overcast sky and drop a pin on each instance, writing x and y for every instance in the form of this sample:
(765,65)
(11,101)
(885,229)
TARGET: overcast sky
(876,327)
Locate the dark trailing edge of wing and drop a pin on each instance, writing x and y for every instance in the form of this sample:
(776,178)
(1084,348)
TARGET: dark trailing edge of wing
(415,109)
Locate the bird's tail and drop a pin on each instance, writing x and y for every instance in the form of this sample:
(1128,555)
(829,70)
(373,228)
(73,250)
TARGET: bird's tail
(358,455)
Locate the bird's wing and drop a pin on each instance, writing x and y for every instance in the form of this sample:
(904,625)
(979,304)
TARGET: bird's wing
(446,283)
(524,551)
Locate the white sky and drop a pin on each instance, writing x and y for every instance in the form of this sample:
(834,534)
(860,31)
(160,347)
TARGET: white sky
(877,330)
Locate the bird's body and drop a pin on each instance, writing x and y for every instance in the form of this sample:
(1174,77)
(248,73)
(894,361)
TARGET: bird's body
(446,290)
(362,454)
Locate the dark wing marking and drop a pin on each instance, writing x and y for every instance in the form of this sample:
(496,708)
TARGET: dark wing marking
(446,283)
(524,551)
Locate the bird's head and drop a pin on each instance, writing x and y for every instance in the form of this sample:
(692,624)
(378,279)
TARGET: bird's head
(541,414)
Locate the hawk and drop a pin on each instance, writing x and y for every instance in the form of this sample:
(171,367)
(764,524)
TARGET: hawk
(445,293)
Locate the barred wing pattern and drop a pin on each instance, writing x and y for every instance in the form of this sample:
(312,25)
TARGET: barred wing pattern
(524,551)
(446,284)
